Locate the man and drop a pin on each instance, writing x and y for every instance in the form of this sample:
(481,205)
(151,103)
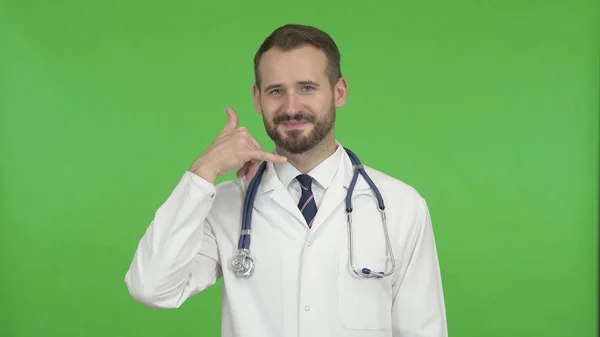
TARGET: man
(305,280)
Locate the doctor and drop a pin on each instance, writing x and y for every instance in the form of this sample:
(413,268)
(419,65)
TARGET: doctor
(308,256)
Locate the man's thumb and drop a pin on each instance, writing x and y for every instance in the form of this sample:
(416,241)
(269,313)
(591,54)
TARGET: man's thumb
(232,119)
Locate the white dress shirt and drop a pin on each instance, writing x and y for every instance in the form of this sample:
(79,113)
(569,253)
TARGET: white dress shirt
(303,284)
(322,176)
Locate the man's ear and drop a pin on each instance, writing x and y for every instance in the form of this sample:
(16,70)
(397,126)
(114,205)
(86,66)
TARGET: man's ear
(341,92)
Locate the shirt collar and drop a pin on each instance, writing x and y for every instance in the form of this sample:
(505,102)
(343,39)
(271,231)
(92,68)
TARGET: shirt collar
(322,174)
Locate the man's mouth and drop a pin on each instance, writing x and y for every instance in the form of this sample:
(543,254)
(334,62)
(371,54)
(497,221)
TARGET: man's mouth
(294,124)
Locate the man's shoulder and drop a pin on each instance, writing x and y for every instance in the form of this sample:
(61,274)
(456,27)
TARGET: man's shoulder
(393,186)
(227,206)
(401,197)
(231,190)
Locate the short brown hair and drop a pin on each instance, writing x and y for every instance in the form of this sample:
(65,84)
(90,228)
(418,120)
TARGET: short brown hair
(293,36)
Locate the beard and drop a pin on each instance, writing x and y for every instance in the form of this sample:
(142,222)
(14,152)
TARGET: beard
(295,141)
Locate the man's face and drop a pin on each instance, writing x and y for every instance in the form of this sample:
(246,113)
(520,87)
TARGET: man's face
(296,100)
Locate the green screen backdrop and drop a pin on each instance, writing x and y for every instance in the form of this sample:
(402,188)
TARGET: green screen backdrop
(488,108)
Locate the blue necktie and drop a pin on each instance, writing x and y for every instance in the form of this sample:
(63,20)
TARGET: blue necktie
(307,204)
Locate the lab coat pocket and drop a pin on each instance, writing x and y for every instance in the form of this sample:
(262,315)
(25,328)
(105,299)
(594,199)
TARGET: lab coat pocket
(364,303)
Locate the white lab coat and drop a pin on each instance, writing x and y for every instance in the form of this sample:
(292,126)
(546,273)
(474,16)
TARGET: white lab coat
(302,285)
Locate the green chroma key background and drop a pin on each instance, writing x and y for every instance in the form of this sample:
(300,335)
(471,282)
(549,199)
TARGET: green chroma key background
(488,108)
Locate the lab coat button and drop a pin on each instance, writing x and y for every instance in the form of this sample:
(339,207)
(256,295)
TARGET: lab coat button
(306,308)
(309,243)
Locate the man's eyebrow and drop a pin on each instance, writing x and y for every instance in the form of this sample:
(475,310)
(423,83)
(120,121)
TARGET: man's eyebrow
(277,85)
(272,86)
(313,83)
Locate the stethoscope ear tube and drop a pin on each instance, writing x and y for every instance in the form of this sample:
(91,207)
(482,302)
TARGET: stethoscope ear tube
(366,272)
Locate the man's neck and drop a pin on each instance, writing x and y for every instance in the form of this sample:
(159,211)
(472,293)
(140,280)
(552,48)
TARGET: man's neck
(305,162)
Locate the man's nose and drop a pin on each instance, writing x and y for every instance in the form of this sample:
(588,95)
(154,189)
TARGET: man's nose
(291,104)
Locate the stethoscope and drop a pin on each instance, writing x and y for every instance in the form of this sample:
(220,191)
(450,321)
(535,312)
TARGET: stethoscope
(244,265)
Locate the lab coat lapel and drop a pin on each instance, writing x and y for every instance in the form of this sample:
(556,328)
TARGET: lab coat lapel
(335,194)
(272,188)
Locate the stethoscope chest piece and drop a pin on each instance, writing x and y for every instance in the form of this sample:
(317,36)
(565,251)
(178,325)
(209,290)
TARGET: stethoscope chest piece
(243,264)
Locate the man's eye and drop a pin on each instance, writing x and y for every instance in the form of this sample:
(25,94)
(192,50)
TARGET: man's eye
(275,91)
(308,88)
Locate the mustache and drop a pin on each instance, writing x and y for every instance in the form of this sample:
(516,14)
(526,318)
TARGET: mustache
(297,117)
